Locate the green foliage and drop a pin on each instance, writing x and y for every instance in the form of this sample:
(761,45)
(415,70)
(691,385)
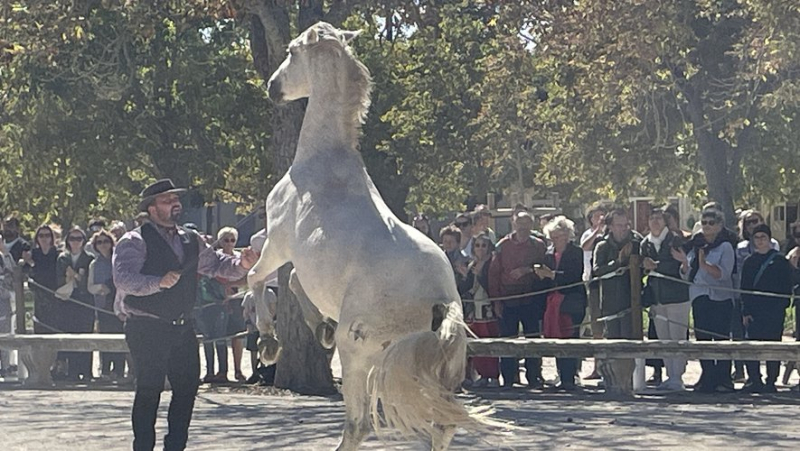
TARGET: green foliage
(100,98)
(591,99)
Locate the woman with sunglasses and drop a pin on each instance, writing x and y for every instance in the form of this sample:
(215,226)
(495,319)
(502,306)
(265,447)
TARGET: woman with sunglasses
(227,237)
(101,285)
(478,311)
(709,266)
(72,272)
(40,264)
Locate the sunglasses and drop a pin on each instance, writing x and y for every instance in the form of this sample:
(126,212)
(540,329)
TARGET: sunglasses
(709,222)
(481,245)
(229,240)
(75,238)
(461,225)
(99,242)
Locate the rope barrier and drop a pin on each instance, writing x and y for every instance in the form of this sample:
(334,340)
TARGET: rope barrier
(611,275)
(108,312)
(715,287)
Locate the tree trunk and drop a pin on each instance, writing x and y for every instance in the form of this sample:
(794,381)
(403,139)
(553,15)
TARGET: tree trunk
(712,153)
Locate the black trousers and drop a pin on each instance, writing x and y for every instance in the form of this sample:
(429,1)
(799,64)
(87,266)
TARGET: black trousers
(568,367)
(767,325)
(112,362)
(159,349)
(714,318)
(531,316)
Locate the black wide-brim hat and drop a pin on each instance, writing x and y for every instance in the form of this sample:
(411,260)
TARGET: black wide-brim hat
(163,186)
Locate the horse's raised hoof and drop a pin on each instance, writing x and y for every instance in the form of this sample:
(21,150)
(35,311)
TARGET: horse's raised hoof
(325,334)
(269,350)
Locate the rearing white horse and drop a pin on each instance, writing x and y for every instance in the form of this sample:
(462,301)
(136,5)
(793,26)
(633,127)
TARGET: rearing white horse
(391,289)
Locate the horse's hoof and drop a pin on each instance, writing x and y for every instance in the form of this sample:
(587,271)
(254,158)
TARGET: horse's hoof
(325,335)
(269,350)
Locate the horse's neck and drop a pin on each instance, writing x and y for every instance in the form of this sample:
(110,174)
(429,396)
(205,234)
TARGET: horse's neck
(331,122)
(322,130)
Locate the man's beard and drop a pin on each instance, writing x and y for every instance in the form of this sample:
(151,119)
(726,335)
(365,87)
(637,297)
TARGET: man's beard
(175,214)
(171,217)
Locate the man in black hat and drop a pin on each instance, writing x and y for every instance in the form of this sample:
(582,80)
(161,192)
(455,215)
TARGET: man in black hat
(155,272)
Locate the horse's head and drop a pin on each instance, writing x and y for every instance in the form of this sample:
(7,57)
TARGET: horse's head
(293,79)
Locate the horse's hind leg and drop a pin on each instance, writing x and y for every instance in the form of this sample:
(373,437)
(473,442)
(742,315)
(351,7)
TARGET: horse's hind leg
(354,352)
(356,401)
(442,441)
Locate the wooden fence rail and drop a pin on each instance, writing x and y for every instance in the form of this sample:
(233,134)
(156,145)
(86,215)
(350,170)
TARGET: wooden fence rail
(634,349)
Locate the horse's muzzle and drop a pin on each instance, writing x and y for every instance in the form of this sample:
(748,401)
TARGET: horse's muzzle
(274,91)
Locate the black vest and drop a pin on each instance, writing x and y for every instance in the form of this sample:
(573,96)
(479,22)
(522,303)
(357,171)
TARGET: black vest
(179,300)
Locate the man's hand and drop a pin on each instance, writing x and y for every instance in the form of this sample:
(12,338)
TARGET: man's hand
(27,257)
(169,280)
(520,272)
(462,268)
(71,274)
(544,272)
(649,264)
(794,257)
(248,258)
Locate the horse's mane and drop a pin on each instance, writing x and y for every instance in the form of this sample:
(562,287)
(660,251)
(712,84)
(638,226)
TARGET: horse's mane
(357,74)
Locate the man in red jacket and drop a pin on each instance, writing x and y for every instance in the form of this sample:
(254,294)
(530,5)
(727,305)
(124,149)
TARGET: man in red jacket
(511,273)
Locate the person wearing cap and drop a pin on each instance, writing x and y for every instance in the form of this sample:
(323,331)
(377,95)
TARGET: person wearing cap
(155,269)
(765,270)
(748,220)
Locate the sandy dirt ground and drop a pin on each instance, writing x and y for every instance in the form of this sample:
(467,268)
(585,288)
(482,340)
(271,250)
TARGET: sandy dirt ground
(95,417)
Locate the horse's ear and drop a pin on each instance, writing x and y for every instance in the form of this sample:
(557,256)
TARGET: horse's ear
(349,35)
(311,37)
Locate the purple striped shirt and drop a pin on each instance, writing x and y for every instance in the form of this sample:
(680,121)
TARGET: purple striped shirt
(129,256)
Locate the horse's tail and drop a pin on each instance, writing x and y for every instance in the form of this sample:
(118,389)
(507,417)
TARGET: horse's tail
(413,386)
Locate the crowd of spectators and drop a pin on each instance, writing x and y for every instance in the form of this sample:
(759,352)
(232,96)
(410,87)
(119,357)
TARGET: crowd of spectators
(70,277)
(540,280)
(735,285)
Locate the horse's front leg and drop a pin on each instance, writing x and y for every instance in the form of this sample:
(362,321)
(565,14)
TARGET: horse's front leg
(268,262)
(265,305)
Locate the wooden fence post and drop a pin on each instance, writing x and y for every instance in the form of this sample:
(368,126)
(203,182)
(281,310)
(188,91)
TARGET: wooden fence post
(19,299)
(635,269)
